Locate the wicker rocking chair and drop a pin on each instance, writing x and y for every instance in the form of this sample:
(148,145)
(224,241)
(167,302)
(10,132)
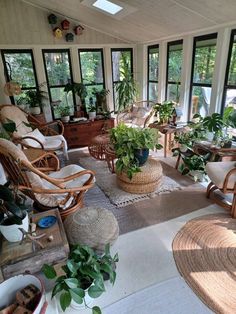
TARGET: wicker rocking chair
(48,187)
(32,133)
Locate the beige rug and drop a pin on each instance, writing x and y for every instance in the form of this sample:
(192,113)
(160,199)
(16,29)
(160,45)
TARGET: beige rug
(205,254)
(107,182)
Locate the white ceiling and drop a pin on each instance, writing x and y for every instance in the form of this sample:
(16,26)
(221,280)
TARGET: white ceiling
(151,19)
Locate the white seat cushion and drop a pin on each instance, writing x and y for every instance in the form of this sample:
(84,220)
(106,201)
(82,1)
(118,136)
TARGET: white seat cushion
(217,172)
(36,134)
(52,144)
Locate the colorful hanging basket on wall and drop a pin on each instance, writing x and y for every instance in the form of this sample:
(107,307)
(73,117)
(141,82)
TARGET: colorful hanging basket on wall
(78,30)
(57,32)
(52,19)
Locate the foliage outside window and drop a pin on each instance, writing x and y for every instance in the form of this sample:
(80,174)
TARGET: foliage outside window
(204,53)
(19,67)
(58,72)
(92,73)
(153,67)
(122,61)
(174,66)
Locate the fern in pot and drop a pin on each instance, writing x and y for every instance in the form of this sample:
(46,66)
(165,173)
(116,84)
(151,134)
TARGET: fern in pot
(83,277)
(132,146)
(13,213)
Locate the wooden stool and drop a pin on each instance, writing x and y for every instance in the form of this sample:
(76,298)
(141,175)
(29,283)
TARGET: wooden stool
(142,182)
(98,146)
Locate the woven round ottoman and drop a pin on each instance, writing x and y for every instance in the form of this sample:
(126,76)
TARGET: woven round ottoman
(98,145)
(91,226)
(142,182)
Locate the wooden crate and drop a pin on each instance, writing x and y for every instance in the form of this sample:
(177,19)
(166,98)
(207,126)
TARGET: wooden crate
(17,259)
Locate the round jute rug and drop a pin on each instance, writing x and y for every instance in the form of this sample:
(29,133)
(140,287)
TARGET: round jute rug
(205,255)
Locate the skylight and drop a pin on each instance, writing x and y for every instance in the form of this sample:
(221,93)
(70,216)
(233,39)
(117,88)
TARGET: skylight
(107,6)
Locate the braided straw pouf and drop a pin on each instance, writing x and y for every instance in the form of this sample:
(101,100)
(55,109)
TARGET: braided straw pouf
(94,227)
(142,182)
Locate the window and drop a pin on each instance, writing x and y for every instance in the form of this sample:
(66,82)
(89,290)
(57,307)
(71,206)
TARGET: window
(19,67)
(153,65)
(229,97)
(203,62)
(118,58)
(92,72)
(173,70)
(58,72)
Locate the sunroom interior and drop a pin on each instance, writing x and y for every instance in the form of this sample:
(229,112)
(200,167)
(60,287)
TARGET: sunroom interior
(171,220)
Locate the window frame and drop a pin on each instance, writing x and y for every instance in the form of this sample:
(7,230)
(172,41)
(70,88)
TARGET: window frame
(192,84)
(171,43)
(57,86)
(148,72)
(103,71)
(6,74)
(132,70)
(226,86)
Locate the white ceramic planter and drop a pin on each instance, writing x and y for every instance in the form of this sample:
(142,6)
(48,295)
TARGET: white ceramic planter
(35,110)
(12,233)
(9,287)
(92,115)
(88,301)
(65,119)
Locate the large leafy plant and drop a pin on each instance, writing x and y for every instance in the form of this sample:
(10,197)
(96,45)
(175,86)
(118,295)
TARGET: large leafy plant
(12,205)
(36,97)
(77,88)
(84,270)
(126,140)
(164,111)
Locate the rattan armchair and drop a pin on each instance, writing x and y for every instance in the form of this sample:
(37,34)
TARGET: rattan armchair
(223,177)
(138,114)
(32,133)
(48,187)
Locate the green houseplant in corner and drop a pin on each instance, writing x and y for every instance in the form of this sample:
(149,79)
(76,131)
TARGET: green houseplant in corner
(128,142)
(164,111)
(83,277)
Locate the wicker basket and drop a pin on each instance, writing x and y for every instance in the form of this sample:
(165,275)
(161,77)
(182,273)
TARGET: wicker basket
(98,145)
(142,182)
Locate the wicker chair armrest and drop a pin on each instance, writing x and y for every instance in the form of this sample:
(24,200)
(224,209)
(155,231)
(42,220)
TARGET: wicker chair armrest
(226,180)
(19,140)
(47,127)
(46,156)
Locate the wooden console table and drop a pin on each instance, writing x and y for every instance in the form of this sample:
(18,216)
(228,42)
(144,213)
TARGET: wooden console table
(79,134)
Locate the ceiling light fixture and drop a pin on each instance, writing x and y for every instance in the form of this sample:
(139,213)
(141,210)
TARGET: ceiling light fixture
(107,6)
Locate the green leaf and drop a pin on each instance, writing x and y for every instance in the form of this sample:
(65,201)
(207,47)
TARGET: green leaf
(57,288)
(116,258)
(49,271)
(65,300)
(96,310)
(71,282)
(76,295)
(94,291)
(113,277)
(72,266)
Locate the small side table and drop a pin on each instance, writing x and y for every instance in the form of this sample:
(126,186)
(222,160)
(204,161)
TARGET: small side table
(98,146)
(167,130)
(110,158)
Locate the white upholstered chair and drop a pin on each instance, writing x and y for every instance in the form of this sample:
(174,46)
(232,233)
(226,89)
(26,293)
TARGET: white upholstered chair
(223,177)
(48,187)
(41,135)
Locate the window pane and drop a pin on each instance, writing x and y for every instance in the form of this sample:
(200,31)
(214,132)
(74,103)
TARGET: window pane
(20,68)
(91,66)
(118,59)
(153,63)
(59,97)
(204,61)
(58,68)
(201,100)
(232,68)
(173,92)
(175,57)
(230,98)
(153,91)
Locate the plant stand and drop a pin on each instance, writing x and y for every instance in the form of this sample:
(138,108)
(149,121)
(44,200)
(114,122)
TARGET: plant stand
(97,147)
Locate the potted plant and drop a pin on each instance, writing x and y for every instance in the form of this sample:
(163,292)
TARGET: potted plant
(132,146)
(126,89)
(214,124)
(35,100)
(13,214)
(101,101)
(92,112)
(65,113)
(80,90)
(164,111)
(83,277)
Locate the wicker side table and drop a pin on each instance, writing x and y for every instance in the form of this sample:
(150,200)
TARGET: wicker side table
(110,158)
(98,145)
(142,182)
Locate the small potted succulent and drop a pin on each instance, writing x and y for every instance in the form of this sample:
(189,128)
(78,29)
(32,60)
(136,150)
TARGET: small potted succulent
(83,277)
(13,214)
